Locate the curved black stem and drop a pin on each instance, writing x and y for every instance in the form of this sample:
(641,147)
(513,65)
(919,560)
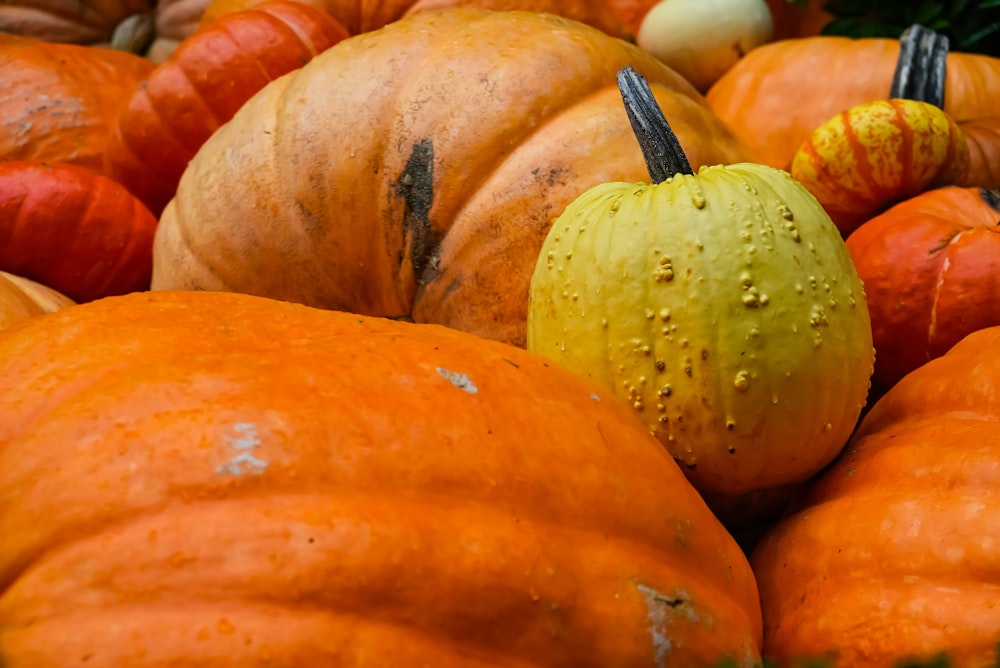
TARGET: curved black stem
(660,148)
(920,69)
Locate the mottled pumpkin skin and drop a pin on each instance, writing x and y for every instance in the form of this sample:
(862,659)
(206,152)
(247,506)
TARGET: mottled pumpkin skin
(931,269)
(414,171)
(868,157)
(74,230)
(59,101)
(779,93)
(21,298)
(724,308)
(235,481)
(893,552)
(206,80)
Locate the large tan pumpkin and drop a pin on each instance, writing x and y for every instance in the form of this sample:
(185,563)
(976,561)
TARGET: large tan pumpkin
(414,171)
(213,480)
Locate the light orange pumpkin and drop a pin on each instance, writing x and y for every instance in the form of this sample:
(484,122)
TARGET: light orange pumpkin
(204,479)
(780,92)
(892,553)
(414,171)
(21,299)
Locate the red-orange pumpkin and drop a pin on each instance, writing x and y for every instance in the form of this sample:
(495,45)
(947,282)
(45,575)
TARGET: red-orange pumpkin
(73,230)
(21,299)
(230,480)
(58,101)
(893,552)
(415,170)
(200,87)
(931,269)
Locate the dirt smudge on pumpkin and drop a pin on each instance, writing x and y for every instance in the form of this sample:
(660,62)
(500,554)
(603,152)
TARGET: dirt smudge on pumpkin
(662,611)
(416,186)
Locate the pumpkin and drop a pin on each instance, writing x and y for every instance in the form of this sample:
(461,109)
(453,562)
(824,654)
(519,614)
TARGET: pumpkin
(59,101)
(931,269)
(200,87)
(776,95)
(795,20)
(176,20)
(722,306)
(21,298)
(414,172)
(71,21)
(236,480)
(74,230)
(359,18)
(892,552)
(875,154)
(701,39)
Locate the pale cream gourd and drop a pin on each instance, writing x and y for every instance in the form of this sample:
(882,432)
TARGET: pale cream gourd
(702,39)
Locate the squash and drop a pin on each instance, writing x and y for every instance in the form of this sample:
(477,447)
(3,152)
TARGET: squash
(414,172)
(86,22)
(776,95)
(206,80)
(867,158)
(232,480)
(931,269)
(59,101)
(892,553)
(722,306)
(74,230)
(21,299)
(701,39)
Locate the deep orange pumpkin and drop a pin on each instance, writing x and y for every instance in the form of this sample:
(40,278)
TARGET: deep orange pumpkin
(415,170)
(931,269)
(231,480)
(893,551)
(185,99)
(58,101)
(21,298)
(73,230)
(779,93)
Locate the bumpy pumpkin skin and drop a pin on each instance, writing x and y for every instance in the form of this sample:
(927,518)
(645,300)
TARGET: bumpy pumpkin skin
(776,95)
(58,101)
(722,306)
(931,269)
(74,230)
(894,550)
(206,80)
(413,171)
(21,298)
(868,157)
(235,481)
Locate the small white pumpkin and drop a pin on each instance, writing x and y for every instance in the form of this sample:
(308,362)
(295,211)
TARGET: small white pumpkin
(702,39)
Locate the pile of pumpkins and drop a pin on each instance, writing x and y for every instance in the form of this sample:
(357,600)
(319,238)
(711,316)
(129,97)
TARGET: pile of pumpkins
(494,333)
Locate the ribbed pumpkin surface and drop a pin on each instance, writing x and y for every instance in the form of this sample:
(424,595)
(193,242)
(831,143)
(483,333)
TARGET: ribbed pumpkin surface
(58,101)
(234,481)
(415,170)
(73,230)
(206,80)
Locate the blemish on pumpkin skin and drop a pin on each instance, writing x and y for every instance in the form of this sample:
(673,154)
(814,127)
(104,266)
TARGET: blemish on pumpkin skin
(245,442)
(459,380)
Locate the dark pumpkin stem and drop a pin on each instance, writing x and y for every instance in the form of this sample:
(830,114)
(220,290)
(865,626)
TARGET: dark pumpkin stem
(920,68)
(660,147)
(991,197)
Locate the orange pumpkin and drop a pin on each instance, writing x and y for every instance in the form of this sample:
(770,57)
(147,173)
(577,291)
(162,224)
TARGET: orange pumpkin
(795,20)
(79,232)
(200,87)
(21,298)
(59,101)
(236,480)
(931,269)
(780,92)
(414,171)
(893,550)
